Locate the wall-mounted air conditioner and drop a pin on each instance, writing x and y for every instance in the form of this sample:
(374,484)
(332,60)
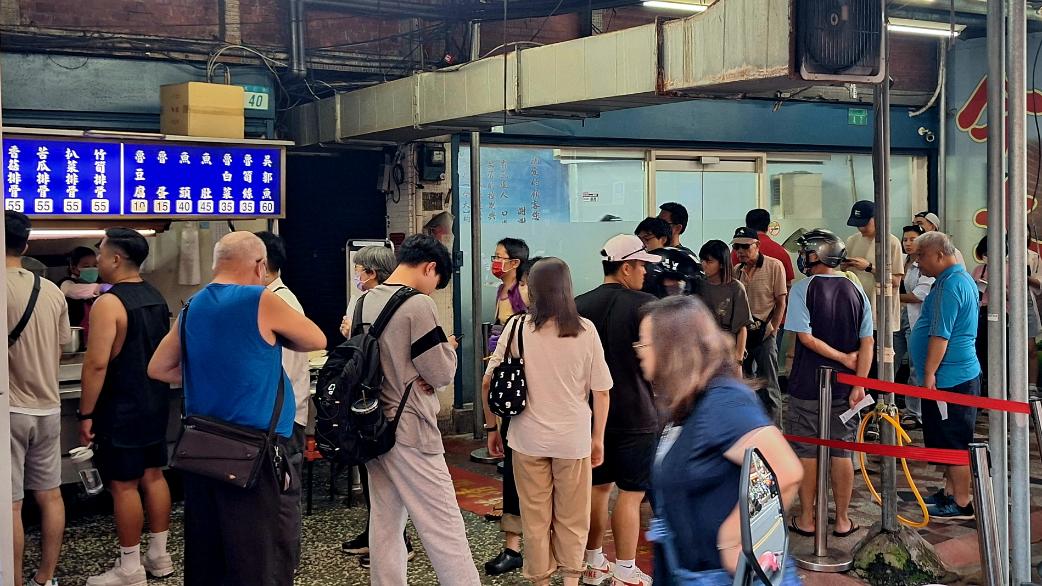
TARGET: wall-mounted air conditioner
(796,195)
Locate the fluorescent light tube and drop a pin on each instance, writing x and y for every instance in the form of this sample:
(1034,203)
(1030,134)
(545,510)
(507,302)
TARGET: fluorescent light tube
(923,28)
(675,6)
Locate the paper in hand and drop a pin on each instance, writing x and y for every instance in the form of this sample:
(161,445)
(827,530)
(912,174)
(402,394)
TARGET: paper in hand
(849,414)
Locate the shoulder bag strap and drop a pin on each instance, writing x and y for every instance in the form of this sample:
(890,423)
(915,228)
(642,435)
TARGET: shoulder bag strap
(512,326)
(401,404)
(279,394)
(356,319)
(396,301)
(16,333)
(521,337)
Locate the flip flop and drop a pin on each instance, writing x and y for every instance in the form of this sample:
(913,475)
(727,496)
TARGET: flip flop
(796,529)
(854,528)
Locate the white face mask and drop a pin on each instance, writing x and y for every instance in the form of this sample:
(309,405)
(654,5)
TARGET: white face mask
(359,283)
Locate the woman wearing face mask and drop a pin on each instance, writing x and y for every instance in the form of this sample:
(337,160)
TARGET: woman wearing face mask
(510,264)
(373,264)
(724,295)
(81,287)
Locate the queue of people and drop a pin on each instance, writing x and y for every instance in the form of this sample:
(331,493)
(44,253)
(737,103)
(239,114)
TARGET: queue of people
(621,398)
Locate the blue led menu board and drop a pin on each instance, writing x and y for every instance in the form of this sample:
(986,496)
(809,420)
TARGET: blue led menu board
(71,178)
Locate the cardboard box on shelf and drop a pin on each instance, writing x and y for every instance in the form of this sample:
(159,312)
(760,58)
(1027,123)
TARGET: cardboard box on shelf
(202,109)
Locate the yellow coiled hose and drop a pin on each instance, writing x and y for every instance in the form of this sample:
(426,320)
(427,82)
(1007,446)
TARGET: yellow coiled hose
(902,438)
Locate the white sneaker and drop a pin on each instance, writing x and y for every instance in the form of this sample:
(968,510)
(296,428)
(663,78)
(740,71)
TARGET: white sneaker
(31,581)
(159,566)
(117,576)
(596,576)
(639,578)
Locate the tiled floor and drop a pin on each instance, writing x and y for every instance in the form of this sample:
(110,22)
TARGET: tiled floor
(90,544)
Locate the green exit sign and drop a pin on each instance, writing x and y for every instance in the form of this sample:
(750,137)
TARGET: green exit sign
(857,117)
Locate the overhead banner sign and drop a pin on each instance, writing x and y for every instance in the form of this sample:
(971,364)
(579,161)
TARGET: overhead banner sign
(58,177)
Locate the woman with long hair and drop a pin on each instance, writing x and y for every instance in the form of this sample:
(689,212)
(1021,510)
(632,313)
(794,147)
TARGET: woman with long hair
(725,295)
(712,419)
(555,440)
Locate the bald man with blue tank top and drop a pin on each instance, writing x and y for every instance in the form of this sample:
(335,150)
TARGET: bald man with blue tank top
(235,332)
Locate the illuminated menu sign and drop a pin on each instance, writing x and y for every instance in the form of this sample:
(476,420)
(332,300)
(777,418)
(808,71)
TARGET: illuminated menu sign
(68,178)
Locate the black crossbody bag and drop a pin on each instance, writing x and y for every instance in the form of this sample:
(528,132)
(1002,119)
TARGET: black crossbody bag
(508,393)
(221,450)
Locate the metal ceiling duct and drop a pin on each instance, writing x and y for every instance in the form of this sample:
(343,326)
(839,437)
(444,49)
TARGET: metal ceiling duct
(737,47)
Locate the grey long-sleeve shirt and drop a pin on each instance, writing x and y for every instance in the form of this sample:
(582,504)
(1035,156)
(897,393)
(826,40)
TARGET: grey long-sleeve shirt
(412,345)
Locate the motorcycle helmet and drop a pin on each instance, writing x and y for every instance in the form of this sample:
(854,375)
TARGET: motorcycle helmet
(678,273)
(826,247)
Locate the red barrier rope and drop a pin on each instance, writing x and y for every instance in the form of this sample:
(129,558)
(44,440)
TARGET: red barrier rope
(935,455)
(933,395)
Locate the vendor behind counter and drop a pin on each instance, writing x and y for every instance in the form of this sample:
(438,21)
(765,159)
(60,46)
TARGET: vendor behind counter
(81,286)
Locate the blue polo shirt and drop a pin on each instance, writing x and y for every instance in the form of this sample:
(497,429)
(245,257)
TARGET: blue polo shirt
(949,312)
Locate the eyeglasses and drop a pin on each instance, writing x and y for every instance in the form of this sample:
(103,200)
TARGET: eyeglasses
(495,258)
(741,246)
(639,345)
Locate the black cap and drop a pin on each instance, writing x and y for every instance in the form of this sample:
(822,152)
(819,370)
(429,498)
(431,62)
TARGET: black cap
(745,235)
(861,213)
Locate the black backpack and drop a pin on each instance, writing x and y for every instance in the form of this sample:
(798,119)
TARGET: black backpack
(350,427)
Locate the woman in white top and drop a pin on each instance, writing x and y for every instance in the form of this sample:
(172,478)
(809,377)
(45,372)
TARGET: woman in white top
(914,288)
(555,440)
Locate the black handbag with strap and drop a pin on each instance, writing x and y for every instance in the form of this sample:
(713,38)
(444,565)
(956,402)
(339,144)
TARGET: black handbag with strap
(508,392)
(225,451)
(19,327)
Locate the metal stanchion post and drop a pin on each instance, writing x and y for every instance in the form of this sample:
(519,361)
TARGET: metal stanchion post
(987,529)
(823,559)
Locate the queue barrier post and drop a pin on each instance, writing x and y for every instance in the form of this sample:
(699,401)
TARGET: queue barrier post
(987,527)
(821,558)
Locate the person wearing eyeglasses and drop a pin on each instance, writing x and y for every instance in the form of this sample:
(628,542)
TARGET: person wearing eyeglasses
(511,299)
(712,418)
(764,281)
(655,233)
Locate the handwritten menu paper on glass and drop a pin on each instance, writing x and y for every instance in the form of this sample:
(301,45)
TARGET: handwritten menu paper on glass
(67,178)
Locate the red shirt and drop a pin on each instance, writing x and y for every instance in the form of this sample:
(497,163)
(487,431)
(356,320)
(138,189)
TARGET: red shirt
(773,250)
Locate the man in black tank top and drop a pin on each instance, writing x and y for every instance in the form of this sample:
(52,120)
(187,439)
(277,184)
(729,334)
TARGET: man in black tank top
(125,413)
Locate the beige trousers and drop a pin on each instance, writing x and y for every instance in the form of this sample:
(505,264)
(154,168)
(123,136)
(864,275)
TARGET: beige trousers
(555,513)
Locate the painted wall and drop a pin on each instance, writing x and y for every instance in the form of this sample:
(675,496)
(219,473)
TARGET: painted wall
(101,93)
(968,148)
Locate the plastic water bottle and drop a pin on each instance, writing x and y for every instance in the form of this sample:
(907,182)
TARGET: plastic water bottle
(83,461)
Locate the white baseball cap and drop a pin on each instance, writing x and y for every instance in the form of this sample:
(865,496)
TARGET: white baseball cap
(627,247)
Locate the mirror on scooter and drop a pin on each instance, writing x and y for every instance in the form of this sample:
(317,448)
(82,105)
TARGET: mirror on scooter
(765,538)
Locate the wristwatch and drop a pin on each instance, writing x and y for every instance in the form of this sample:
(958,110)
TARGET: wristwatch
(84,416)
(492,427)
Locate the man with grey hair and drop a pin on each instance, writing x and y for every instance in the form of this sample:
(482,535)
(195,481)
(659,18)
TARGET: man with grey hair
(229,340)
(943,353)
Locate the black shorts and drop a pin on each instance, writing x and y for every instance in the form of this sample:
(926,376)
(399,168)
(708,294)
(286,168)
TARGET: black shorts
(127,464)
(627,461)
(956,432)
